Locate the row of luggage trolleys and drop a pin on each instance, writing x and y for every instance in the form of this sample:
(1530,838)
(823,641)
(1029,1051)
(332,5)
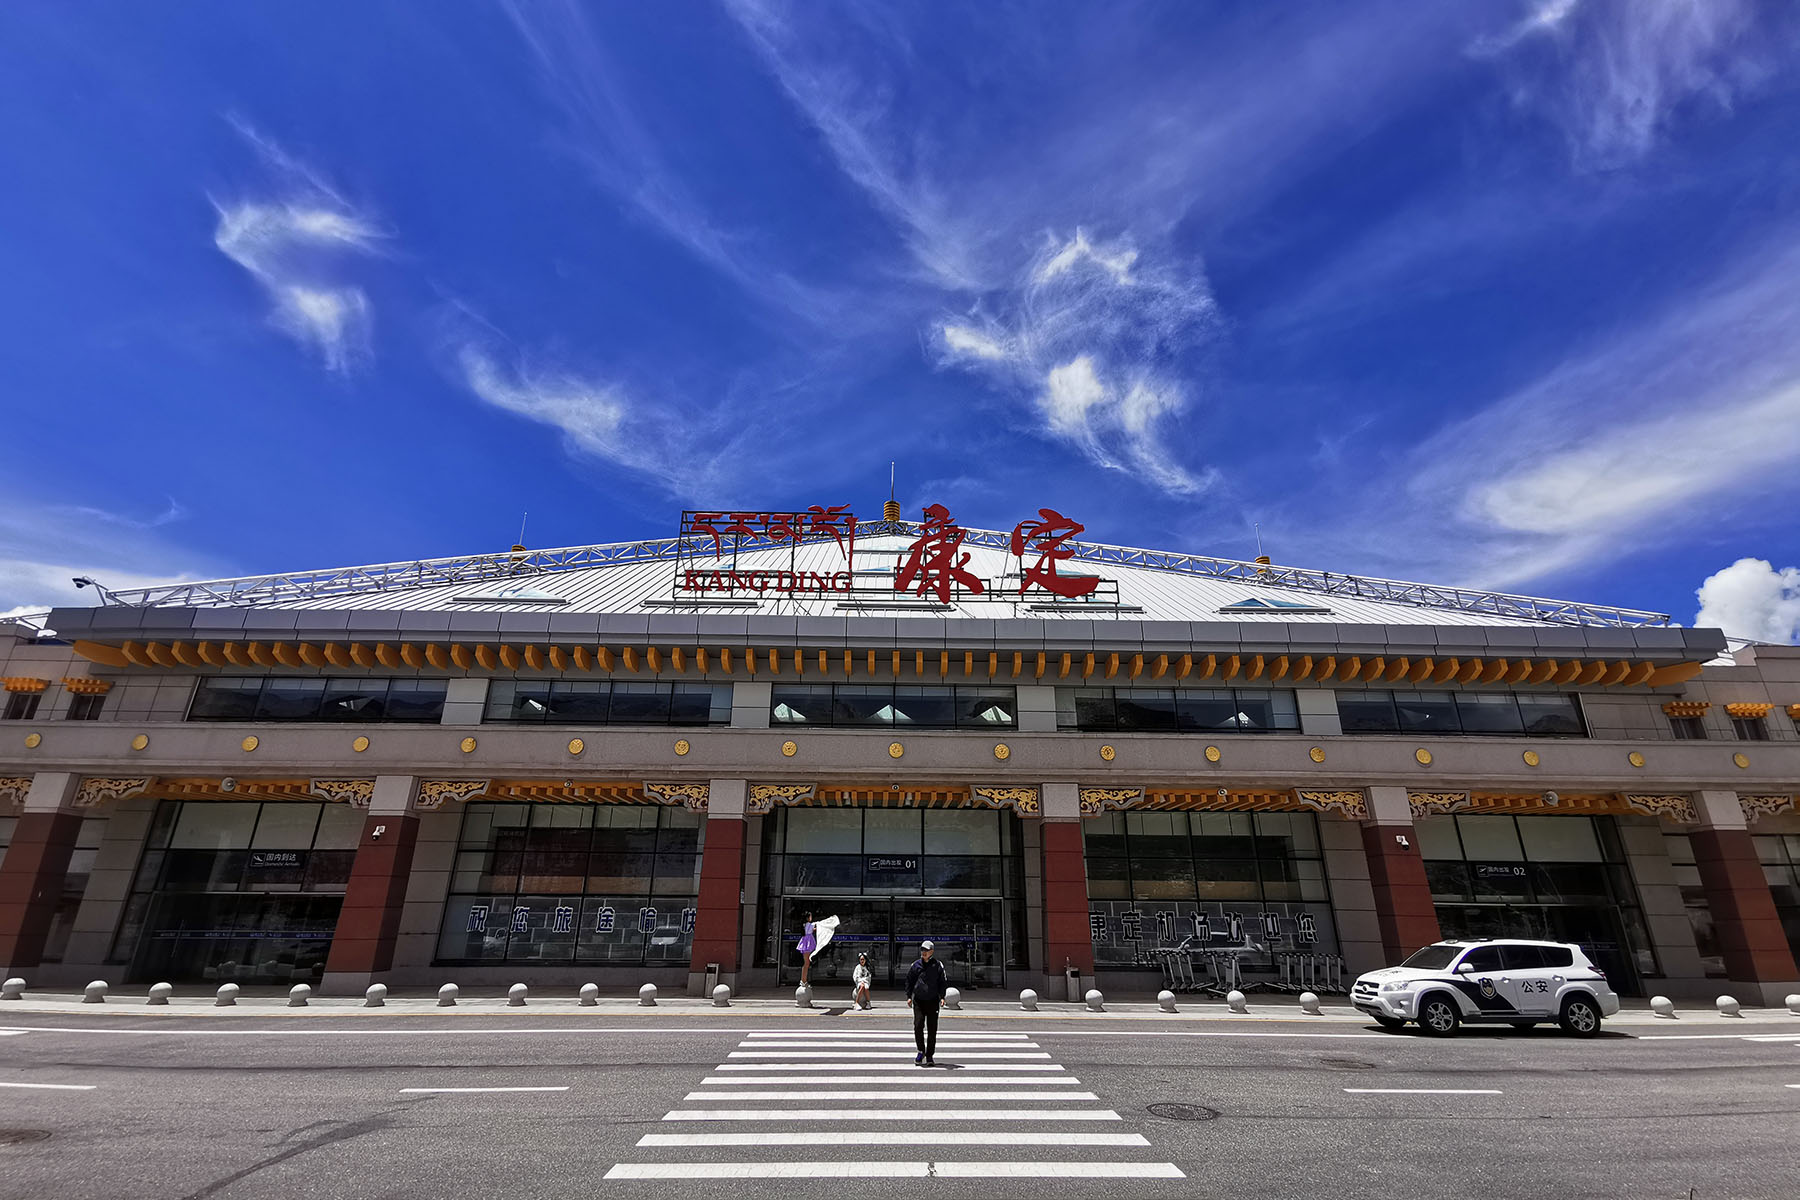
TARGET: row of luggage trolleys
(1218,971)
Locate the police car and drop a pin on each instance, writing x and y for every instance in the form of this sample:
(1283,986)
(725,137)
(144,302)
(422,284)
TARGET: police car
(1515,983)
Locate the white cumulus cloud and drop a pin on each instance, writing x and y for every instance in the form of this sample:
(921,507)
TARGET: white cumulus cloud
(1751,599)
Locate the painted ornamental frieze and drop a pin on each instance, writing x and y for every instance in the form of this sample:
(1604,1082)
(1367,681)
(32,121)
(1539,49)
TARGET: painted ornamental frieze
(692,796)
(435,793)
(763,797)
(1426,804)
(357,793)
(97,791)
(1755,807)
(1675,808)
(1353,806)
(1095,801)
(1022,800)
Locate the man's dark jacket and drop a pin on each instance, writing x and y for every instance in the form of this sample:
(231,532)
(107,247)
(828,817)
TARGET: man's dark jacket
(926,983)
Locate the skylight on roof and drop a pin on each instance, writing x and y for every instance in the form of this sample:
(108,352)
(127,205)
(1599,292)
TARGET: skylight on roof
(517,593)
(1258,604)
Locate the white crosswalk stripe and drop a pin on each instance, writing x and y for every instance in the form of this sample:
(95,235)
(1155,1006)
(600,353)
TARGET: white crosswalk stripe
(767,1116)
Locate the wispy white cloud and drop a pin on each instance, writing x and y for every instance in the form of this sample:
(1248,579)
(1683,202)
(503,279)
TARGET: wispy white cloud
(44,547)
(1089,332)
(295,245)
(1613,75)
(1751,599)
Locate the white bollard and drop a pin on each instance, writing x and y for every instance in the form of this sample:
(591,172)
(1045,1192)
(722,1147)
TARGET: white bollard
(297,995)
(1663,1007)
(590,995)
(94,993)
(160,993)
(376,996)
(1793,1003)
(646,996)
(1236,1003)
(952,998)
(1309,1004)
(1095,1001)
(1028,1000)
(447,995)
(515,995)
(803,996)
(1727,1006)
(12,989)
(1166,1001)
(722,996)
(228,994)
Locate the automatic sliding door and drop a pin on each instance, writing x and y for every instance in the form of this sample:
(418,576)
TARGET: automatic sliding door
(967,935)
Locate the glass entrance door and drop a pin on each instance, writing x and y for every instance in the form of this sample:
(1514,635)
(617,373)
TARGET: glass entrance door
(968,936)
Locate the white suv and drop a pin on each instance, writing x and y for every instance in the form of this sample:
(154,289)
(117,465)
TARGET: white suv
(1503,982)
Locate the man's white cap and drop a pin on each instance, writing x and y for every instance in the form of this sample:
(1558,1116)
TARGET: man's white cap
(926,946)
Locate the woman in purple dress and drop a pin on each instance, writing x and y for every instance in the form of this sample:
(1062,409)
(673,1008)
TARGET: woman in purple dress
(809,942)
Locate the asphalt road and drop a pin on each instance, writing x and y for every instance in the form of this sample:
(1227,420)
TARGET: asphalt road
(256,1107)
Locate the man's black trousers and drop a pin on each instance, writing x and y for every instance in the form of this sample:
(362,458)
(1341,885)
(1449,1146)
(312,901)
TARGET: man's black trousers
(925,1020)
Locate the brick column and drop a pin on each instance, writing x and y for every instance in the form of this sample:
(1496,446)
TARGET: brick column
(1068,937)
(718,921)
(1403,905)
(31,876)
(1757,957)
(362,946)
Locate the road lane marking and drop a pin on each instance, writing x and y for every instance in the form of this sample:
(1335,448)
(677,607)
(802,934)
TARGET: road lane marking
(932,1078)
(899,1137)
(55,1087)
(867,1066)
(843,1055)
(470,1090)
(896,1044)
(858,1094)
(13,1032)
(890,1170)
(876,1033)
(1424,1091)
(598,1030)
(831,1115)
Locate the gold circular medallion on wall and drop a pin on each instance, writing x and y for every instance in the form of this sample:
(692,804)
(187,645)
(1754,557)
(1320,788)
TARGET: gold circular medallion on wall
(789,749)
(33,740)
(682,747)
(1107,753)
(250,743)
(1635,759)
(1317,754)
(576,745)
(360,744)
(1422,756)
(467,745)
(1002,751)
(1531,758)
(1212,754)
(895,749)
(1741,759)
(139,742)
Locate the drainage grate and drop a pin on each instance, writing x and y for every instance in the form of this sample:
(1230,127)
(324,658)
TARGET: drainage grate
(14,1137)
(1348,1064)
(1182,1112)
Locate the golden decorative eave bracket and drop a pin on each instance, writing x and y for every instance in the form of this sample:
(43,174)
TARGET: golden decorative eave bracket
(1022,800)
(1757,807)
(13,789)
(1095,801)
(1686,708)
(24,683)
(434,793)
(357,793)
(1430,804)
(691,796)
(1675,808)
(1353,805)
(1749,710)
(97,791)
(763,797)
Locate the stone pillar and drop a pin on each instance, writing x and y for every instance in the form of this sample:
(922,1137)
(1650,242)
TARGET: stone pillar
(1403,905)
(31,876)
(1352,895)
(1068,937)
(362,946)
(717,923)
(1757,957)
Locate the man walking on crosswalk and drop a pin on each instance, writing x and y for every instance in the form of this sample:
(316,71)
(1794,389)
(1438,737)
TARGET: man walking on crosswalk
(926,984)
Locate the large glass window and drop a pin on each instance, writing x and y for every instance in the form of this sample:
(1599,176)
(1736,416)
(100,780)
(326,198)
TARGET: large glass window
(621,702)
(562,883)
(1206,880)
(1551,877)
(1176,710)
(1476,714)
(877,705)
(287,698)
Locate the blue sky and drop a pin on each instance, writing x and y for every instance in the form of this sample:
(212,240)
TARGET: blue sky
(1494,293)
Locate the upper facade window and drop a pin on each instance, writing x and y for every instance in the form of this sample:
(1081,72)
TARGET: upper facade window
(1687,729)
(883,705)
(581,702)
(21,706)
(85,708)
(1177,710)
(275,698)
(1750,729)
(1475,714)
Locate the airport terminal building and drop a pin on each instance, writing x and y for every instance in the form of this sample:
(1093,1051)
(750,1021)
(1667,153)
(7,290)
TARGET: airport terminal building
(650,761)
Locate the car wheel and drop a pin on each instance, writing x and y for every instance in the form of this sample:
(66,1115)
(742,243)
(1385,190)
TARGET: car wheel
(1580,1017)
(1389,1022)
(1438,1015)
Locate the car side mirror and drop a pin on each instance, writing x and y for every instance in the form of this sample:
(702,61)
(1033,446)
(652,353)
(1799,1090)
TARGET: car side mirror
(1465,968)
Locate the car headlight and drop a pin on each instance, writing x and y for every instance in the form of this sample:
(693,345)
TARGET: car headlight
(1393,987)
